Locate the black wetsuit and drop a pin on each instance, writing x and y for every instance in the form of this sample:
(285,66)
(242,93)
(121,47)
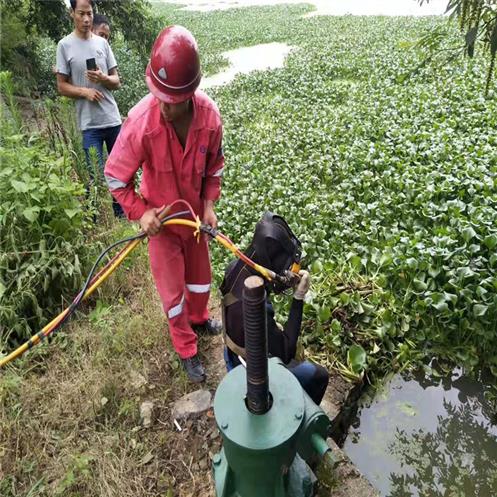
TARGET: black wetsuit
(281,343)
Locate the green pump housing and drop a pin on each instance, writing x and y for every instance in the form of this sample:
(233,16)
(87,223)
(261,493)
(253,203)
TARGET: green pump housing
(263,454)
(271,428)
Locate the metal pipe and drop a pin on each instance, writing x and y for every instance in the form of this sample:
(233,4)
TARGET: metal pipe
(319,444)
(255,327)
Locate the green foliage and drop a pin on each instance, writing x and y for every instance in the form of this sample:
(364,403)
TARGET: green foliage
(477,20)
(134,20)
(63,135)
(356,358)
(13,32)
(45,57)
(42,245)
(17,42)
(49,19)
(390,185)
(77,473)
(28,25)
(131,66)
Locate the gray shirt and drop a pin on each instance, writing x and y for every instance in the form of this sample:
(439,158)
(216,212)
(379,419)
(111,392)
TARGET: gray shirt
(72,53)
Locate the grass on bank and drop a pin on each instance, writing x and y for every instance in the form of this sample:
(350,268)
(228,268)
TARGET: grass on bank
(69,415)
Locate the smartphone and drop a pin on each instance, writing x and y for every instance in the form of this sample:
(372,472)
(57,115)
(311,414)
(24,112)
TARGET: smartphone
(91,65)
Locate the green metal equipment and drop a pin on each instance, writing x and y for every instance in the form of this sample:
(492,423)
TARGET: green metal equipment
(270,427)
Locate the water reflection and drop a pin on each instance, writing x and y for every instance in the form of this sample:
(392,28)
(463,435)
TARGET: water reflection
(429,437)
(247,59)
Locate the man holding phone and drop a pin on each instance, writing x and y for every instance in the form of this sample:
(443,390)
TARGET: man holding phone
(87,72)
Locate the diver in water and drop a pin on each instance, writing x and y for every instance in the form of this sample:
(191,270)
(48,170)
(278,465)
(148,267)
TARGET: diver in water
(275,247)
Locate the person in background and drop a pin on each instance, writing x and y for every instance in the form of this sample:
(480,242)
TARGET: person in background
(87,72)
(101,26)
(275,247)
(174,136)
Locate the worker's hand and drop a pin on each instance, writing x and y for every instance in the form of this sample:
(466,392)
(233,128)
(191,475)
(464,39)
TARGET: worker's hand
(96,76)
(150,222)
(210,217)
(303,285)
(93,95)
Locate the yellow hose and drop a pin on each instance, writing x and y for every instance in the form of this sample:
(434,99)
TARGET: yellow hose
(269,275)
(35,339)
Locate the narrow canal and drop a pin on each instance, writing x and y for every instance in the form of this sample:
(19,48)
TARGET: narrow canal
(427,436)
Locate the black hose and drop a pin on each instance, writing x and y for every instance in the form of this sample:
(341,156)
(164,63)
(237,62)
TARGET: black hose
(75,303)
(255,326)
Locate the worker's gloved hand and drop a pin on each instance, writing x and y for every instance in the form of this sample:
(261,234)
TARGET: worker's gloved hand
(303,285)
(150,222)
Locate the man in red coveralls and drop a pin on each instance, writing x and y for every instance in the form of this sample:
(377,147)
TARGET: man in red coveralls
(174,134)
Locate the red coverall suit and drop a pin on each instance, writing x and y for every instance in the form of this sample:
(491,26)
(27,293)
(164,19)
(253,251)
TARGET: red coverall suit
(180,266)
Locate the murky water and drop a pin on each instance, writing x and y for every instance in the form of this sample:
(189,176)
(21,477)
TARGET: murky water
(427,437)
(330,7)
(247,59)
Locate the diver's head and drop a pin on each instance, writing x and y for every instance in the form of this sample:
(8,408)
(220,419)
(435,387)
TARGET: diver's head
(275,247)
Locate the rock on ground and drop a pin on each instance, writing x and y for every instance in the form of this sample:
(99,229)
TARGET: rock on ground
(147,413)
(192,405)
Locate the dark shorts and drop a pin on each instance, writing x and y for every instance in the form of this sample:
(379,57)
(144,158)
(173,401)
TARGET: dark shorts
(312,377)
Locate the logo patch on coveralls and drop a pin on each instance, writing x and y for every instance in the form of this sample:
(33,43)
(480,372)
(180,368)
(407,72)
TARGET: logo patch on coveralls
(203,149)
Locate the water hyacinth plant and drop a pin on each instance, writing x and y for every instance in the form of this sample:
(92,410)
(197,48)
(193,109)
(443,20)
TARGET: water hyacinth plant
(389,182)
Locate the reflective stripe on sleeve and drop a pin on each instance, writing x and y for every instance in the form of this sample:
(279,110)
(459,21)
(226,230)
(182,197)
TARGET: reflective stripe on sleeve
(114,183)
(177,309)
(198,288)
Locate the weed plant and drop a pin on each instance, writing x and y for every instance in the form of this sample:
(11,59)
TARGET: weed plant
(43,248)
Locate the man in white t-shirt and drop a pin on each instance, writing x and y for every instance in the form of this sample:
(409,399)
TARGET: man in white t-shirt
(97,113)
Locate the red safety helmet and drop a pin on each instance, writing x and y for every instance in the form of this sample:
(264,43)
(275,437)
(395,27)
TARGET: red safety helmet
(173,73)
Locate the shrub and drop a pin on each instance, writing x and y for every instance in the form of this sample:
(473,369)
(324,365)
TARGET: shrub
(42,246)
(131,68)
(46,83)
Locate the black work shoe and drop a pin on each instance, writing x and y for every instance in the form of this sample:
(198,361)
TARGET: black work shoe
(210,327)
(194,369)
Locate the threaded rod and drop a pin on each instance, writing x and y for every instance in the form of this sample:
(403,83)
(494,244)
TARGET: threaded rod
(255,327)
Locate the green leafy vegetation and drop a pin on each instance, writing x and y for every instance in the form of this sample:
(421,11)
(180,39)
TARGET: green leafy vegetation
(477,20)
(132,74)
(41,219)
(30,29)
(390,183)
